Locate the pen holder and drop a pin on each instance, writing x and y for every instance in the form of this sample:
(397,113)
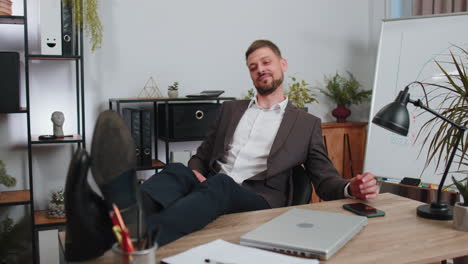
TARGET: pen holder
(145,256)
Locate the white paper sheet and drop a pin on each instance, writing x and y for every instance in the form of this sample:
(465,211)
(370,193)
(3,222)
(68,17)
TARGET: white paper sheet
(222,252)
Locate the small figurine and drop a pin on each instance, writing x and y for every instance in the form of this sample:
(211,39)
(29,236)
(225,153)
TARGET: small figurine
(58,119)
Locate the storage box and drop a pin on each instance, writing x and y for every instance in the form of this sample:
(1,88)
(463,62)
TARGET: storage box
(186,121)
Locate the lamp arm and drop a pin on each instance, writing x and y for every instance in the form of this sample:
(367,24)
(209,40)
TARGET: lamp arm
(418,103)
(461,130)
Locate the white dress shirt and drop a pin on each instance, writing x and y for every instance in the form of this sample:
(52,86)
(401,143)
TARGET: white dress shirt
(251,143)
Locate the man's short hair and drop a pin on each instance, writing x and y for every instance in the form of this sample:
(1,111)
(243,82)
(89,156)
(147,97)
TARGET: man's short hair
(262,43)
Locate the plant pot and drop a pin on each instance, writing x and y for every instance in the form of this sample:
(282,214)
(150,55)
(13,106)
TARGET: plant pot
(460,217)
(173,93)
(56,210)
(341,113)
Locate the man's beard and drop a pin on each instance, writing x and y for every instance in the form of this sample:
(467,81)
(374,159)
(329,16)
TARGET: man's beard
(268,89)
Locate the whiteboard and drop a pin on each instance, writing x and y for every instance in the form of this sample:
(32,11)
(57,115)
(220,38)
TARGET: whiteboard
(407,52)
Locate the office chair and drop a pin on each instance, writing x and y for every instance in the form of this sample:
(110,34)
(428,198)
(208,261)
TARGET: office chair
(302,189)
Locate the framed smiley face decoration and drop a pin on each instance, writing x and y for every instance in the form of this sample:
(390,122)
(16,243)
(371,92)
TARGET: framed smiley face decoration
(51,27)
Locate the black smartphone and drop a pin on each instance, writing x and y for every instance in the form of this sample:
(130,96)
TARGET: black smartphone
(363,209)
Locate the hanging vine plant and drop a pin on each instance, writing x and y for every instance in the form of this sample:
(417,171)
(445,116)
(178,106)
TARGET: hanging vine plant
(85,13)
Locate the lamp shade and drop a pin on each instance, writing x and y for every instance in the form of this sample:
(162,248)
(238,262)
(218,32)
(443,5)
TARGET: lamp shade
(395,116)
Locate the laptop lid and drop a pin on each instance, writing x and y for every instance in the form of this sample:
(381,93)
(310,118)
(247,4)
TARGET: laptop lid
(307,233)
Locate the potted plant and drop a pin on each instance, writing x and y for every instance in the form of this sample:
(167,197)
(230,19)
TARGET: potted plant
(250,94)
(173,90)
(344,92)
(300,94)
(15,240)
(454,93)
(56,208)
(6,179)
(439,136)
(460,210)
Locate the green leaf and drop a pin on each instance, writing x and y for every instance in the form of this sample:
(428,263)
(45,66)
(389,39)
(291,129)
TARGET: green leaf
(299,93)
(439,136)
(86,14)
(343,90)
(463,189)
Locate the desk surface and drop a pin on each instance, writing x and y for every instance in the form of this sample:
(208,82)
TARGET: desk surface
(399,237)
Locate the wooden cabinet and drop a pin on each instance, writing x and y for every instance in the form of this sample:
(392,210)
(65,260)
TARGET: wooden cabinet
(345,144)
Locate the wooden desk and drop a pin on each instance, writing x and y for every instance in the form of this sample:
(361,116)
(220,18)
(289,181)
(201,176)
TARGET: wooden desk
(399,237)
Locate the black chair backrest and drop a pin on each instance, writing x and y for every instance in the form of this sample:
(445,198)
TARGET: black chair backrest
(302,189)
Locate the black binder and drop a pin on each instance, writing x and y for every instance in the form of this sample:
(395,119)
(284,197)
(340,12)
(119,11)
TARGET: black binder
(9,82)
(146,133)
(68,31)
(133,119)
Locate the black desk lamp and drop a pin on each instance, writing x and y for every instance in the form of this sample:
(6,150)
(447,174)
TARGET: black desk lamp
(395,118)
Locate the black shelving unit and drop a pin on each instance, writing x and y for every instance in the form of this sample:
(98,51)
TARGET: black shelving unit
(73,139)
(12,20)
(157,164)
(38,219)
(52,57)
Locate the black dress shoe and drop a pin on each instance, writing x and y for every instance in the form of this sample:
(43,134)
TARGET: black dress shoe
(113,155)
(88,227)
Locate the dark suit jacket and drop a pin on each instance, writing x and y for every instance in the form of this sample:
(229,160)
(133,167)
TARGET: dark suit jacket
(298,141)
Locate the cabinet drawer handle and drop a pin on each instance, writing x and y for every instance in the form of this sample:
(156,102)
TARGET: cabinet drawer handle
(199,114)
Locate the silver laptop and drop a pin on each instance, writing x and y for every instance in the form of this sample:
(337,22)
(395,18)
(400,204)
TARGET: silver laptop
(306,233)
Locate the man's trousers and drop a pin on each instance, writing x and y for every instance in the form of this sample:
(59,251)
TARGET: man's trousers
(176,203)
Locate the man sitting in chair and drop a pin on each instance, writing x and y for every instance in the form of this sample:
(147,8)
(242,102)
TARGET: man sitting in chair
(245,162)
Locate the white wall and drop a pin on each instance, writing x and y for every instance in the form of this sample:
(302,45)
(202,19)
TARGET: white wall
(201,44)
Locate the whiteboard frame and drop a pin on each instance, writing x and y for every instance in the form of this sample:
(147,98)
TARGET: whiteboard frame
(375,82)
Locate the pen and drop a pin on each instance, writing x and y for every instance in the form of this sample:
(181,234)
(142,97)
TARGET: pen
(127,245)
(122,231)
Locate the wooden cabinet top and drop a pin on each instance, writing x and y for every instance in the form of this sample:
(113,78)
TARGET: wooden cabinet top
(344,125)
